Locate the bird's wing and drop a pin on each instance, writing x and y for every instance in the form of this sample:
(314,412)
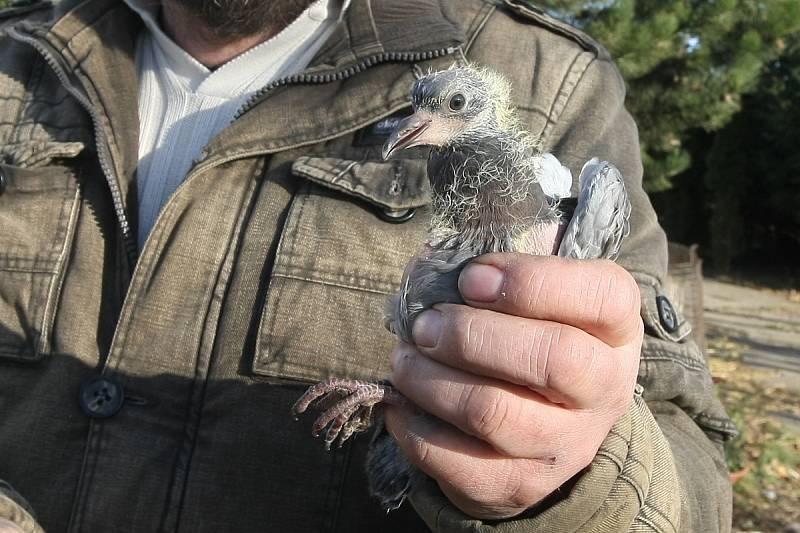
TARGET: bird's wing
(554,178)
(601,218)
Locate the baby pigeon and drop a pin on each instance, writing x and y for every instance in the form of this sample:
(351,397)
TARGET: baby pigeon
(492,191)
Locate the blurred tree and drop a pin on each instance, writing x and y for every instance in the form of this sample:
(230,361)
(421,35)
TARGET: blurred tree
(687,63)
(753,169)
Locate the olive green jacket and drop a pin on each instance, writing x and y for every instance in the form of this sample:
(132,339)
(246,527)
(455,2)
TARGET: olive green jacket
(268,269)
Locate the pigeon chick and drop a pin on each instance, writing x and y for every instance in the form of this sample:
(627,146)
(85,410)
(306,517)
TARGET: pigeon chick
(492,191)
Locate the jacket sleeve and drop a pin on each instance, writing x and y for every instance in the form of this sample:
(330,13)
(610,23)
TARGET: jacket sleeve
(662,466)
(15,513)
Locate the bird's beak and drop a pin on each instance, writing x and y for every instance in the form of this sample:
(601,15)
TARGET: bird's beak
(407,134)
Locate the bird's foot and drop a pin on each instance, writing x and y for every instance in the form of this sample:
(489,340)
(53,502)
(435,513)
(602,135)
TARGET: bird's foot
(347,406)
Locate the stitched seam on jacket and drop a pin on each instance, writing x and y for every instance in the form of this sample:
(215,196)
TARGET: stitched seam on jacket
(321,275)
(549,122)
(635,486)
(33,122)
(203,363)
(566,90)
(332,284)
(666,356)
(301,197)
(648,523)
(32,270)
(632,459)
(119,346)
(614,458)
(66,238)
(712,421)
(477,25)
(654,349)
(619,435)
(42,101)
(650,507)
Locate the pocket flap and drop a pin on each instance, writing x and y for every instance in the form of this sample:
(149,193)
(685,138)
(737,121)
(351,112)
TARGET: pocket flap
(392,185)
(39,154)
(661,317)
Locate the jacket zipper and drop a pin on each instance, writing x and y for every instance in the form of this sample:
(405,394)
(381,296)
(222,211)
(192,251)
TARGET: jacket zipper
(54,60)
(344,73)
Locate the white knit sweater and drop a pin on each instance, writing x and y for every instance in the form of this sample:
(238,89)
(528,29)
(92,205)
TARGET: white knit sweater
(183,104)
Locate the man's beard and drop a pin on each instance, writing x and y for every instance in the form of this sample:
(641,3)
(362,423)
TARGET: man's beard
(230,19)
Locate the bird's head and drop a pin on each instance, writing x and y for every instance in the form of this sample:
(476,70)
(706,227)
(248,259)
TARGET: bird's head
(451,105)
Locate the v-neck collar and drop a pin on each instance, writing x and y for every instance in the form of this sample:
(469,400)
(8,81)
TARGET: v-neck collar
(302,38)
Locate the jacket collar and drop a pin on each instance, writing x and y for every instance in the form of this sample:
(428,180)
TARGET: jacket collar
(368,27)
(369,63)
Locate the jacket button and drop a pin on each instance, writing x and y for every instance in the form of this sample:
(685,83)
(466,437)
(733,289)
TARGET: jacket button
(667,314)
(396,216)
(101,397)
(2,181)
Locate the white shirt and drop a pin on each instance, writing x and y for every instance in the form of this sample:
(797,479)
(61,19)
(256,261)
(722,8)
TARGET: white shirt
(183,104)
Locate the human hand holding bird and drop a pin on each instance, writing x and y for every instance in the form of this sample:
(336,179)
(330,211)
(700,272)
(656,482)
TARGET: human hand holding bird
(524,361)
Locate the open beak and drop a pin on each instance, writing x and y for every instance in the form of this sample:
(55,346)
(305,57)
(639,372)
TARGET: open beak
(409,133)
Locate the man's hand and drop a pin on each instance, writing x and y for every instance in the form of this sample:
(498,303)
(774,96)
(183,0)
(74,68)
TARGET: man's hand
(531,374)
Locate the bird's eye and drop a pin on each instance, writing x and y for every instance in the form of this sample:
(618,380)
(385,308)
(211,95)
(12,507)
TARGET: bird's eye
(457,102)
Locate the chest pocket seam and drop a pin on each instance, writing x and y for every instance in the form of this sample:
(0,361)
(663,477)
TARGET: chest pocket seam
(41,271)
(301,200)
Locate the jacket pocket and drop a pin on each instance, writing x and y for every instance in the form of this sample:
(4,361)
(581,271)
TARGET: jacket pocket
(38,211)
(350,232)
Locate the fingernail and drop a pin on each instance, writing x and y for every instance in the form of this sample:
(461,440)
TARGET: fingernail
(427,328)
(481,283)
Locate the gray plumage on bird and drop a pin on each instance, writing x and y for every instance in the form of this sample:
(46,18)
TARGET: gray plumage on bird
(493,190)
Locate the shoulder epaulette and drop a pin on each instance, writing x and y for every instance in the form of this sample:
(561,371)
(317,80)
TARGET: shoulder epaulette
(23,7)
(539,16)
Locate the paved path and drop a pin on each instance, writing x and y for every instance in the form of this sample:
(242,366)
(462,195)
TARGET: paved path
(765,323)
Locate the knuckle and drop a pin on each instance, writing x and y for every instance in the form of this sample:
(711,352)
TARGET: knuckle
(524,485)
(559,357)
(502,493)
(485,411)
(513,493)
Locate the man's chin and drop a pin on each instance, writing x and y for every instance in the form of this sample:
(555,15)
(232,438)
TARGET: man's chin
(227,20)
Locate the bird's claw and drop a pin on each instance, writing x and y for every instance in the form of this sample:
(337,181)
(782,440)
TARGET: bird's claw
(346,405)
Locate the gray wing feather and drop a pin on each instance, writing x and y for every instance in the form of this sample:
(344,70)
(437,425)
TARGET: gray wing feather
(429,279)
(601,219)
